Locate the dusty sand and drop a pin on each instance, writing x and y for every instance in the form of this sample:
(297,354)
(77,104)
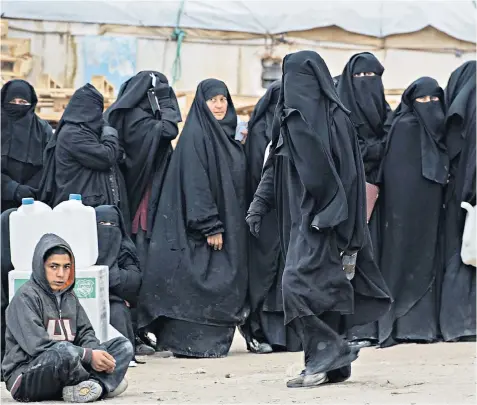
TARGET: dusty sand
(407,374)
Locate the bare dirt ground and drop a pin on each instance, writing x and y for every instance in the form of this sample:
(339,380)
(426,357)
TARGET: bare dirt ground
(407,374)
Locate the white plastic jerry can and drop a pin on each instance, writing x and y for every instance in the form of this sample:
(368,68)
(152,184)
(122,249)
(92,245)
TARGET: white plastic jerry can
(27,225)
(468,251)
(76,224)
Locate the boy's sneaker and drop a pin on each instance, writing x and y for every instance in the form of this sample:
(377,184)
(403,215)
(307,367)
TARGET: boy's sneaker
(123,386)
(85,391)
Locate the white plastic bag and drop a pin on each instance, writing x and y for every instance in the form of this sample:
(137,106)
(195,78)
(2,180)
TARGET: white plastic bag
(468,251)
(267,152)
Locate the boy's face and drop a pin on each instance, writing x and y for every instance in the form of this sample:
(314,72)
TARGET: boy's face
(57,271)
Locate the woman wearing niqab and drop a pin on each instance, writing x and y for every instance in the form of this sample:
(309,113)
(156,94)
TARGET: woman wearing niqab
(145,114)
(314,177)
(117,251)
(264,330)
(360,89)
(414,173)
(24,138)
(6,267)
(457,313)
(81,157)
(195,283)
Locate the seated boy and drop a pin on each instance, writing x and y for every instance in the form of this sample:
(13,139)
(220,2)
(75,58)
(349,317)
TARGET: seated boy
(51,349)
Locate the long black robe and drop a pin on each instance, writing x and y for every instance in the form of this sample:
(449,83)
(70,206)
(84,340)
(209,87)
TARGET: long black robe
(364,97)
(457,314)
(117,251)
(145,135)
(199,294)
(265,323)
(24,138)
(315,175)
(414,173)
(81,157)
(6,267)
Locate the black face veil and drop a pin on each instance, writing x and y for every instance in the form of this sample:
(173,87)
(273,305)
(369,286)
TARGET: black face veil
(364,95)
(23,137)
(435,161)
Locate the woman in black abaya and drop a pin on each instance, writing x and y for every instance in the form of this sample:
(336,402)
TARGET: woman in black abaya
(361,90)
(6,267)
(264,330)
(457,313)
(24,138)
(117,251)
(414,173)
(81,158)
(195,283)
(145,115)
(315,177)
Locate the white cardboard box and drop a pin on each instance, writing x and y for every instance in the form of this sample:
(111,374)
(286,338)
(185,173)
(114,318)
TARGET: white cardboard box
(92,289)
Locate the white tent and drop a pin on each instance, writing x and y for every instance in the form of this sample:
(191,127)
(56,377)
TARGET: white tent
(374,19)
(228,39)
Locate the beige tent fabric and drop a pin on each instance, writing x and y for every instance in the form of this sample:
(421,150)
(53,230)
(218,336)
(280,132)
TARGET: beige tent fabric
(428,38)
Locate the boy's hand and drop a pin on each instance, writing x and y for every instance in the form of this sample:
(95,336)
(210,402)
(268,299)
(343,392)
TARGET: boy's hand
(102,361)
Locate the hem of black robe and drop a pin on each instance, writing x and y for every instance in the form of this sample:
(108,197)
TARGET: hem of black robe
(367,331)
(165,314)
(281,337)
(194,340)
(458,336)
(394,341)
(343,360)
(391,337)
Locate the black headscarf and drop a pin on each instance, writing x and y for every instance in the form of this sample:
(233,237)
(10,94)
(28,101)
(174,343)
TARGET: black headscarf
(311,107)
(114,242)
(458,92)
(85,109)
(144,134)
(364,95)
(203,195)
(430,116)
(23,137)
(259,136)
(318,185)
(133,93)
(212,88)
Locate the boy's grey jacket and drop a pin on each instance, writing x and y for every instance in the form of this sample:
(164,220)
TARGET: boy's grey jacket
(36,320)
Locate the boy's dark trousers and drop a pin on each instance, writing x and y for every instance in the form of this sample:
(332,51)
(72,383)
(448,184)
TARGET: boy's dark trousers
(61,366)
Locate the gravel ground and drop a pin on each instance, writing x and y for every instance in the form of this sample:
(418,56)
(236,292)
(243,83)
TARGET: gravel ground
(406,374)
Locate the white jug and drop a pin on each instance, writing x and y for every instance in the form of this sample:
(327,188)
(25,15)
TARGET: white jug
(468,251)
(76,224)
(27,225)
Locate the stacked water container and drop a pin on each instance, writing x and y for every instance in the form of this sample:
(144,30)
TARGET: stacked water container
(76,224)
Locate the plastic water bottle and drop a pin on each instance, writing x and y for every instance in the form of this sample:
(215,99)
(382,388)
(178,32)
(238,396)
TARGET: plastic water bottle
(76,224)
(27,225)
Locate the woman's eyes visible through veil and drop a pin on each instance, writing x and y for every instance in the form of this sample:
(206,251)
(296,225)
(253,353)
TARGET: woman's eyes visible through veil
(427,99)
(104,223)
(364,74)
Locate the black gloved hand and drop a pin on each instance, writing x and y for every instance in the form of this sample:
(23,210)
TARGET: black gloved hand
(24,191)
(254,222)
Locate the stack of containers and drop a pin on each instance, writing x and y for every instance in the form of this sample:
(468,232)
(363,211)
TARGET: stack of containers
(76,224)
